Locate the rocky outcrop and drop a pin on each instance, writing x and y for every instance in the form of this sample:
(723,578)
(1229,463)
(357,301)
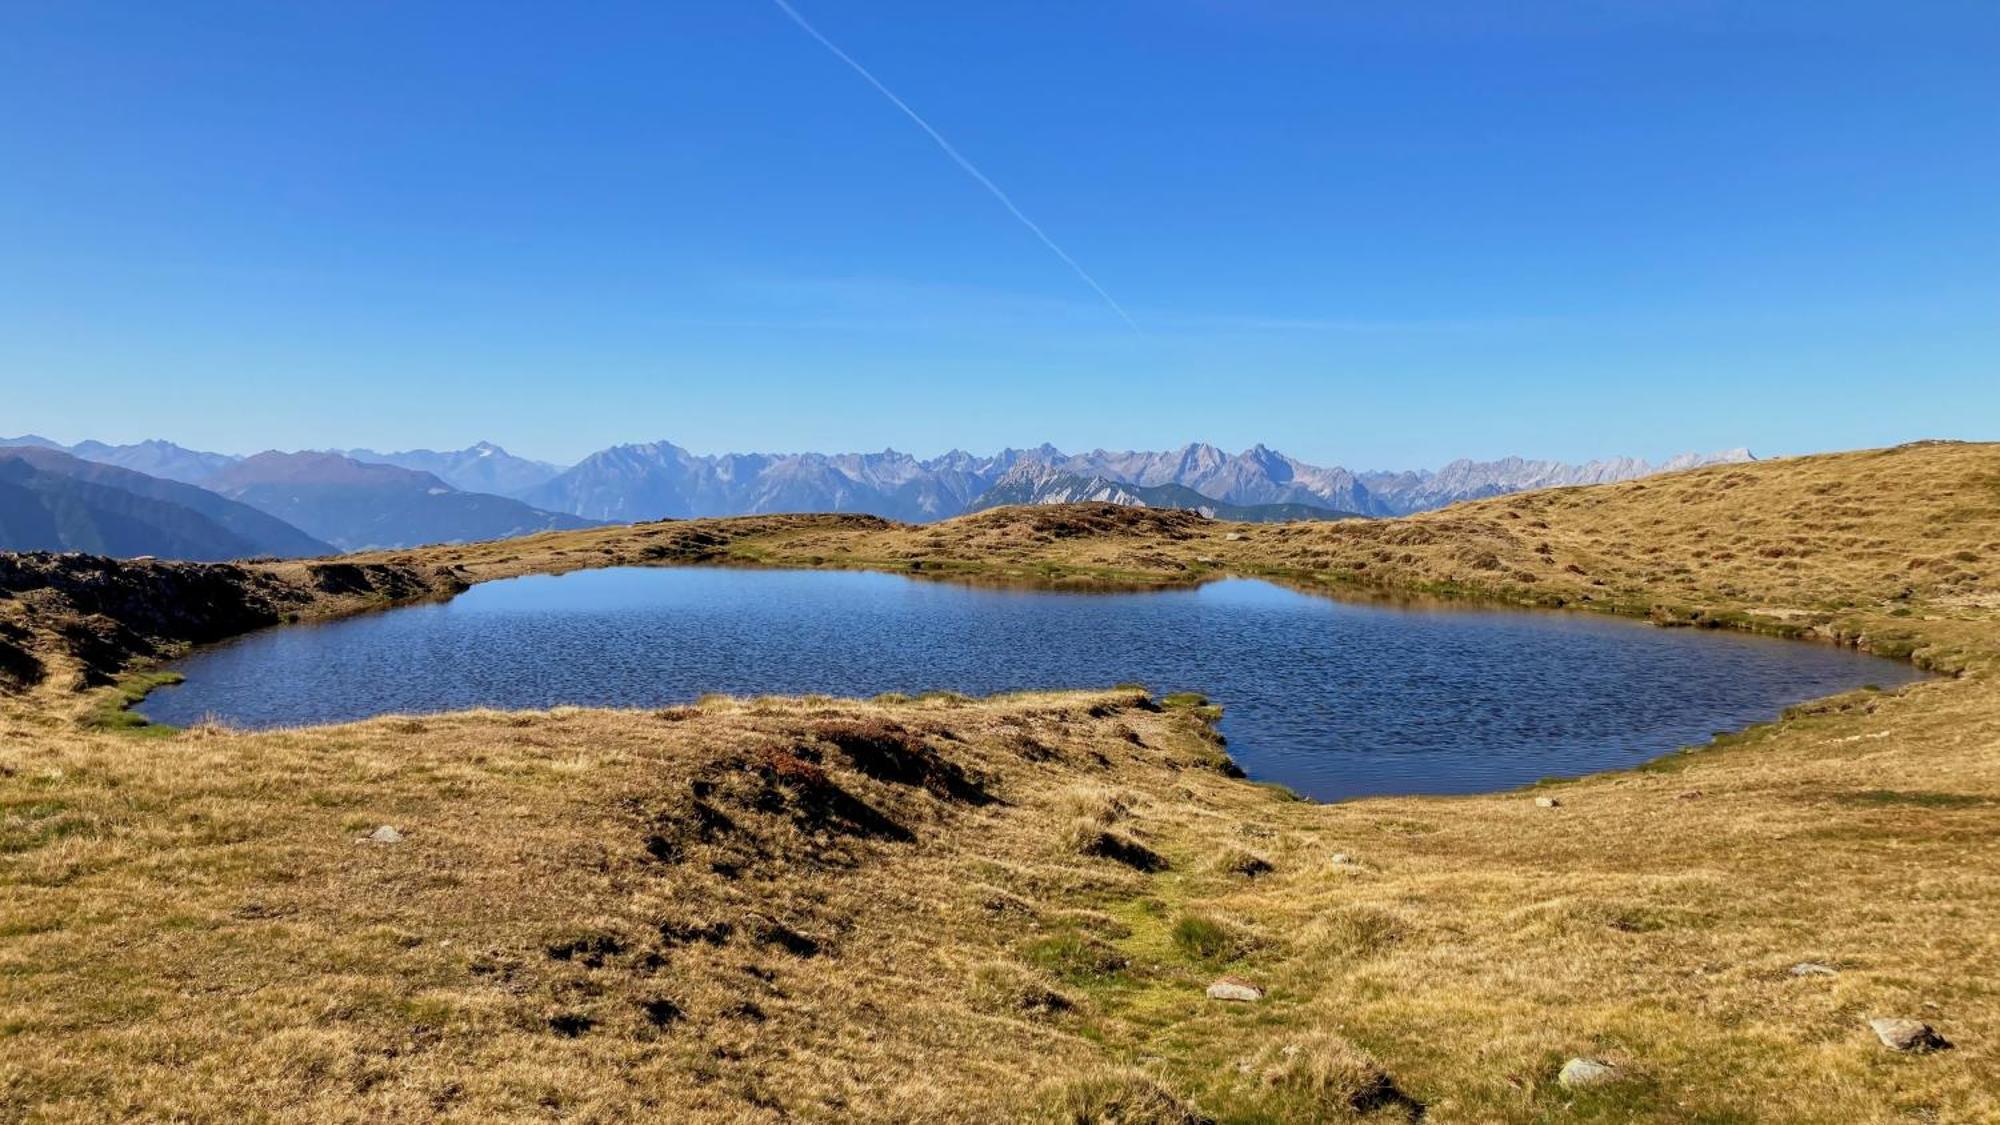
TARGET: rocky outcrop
(101,614)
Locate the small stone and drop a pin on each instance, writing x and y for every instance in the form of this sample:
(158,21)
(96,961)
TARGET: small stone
(383,835)
(1583,1074)
(1235,989)
(1548,803)
(1907,1035)
(1813,969)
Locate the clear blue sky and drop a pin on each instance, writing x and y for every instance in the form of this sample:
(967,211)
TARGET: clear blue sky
(1372,234)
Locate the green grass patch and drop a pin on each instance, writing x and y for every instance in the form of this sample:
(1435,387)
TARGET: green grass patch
(1209,941)
(1078,958)
(113,708)
(1915,799)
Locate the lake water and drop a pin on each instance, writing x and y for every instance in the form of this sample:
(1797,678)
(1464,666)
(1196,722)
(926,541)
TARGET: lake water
(1333,698)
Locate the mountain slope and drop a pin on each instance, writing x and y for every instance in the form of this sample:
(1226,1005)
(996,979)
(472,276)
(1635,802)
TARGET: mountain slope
(264,533)
(44,511)
(354,505)
(482,467)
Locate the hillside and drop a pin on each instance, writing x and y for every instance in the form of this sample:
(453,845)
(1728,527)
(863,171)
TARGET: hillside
(50,501)
(249,531)
(1011,908)
(355,505)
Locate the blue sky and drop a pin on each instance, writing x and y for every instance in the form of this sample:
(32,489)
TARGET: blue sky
(1371,234)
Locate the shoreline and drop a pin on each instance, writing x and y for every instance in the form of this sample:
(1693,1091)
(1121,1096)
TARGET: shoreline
(136,684)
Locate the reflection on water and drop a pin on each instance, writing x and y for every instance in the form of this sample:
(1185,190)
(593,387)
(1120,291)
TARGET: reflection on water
(1334,699)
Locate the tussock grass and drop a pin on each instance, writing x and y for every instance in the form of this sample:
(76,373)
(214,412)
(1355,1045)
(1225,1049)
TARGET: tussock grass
(1320,1076)
(1116,1096)
(1211,941)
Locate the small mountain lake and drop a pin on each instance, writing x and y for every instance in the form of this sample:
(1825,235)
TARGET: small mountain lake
(1332,698)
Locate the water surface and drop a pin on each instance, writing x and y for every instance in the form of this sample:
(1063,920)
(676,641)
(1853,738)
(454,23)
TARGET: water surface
(1335,699)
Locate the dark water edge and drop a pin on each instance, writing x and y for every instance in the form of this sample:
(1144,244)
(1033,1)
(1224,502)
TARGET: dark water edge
(1332,698)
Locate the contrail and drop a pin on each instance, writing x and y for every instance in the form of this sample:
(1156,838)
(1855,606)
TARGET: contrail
(957,157)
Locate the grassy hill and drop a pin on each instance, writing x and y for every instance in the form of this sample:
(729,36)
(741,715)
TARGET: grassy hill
(989,910)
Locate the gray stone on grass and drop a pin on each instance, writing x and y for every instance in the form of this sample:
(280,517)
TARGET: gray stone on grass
(1584,1074)
(1914,1036)
(1236,990)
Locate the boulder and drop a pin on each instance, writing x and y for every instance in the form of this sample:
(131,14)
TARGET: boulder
(1584,1074)
(1236,990)
(1907,1035)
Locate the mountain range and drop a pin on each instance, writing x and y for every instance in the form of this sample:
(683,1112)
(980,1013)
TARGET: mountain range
(52,501)
(359,498)
(285,504)
(659,479)
(357,505)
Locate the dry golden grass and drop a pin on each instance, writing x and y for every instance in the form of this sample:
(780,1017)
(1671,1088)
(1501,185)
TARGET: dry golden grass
(906,911)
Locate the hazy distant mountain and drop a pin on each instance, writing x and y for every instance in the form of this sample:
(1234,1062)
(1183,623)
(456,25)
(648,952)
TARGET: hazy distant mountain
(50,501)
(259,532)
(155,458)
(659,479)
(483,467)
(649,481)
(1405,492)
(1037,483)
(355,505)
(36,441)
